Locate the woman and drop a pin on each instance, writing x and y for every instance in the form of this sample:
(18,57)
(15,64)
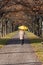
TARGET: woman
(21,36)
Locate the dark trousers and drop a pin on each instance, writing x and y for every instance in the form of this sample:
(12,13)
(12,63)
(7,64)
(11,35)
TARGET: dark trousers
(22,41)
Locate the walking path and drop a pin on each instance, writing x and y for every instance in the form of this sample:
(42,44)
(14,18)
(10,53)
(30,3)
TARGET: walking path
(16,54)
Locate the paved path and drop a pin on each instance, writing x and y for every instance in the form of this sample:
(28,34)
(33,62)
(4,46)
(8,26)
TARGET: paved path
(16,54)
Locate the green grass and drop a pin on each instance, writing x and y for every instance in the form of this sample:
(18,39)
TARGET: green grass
(37,45)
(3,40)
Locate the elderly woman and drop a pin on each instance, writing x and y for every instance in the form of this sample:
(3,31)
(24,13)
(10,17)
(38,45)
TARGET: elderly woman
(21,36)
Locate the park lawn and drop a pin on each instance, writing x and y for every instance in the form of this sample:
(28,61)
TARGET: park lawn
(36,44)
(3,40)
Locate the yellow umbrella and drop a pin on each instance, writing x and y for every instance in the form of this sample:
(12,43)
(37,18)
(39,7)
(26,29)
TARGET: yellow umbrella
(23,27)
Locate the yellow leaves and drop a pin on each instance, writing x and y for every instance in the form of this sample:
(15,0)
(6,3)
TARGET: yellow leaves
(40,55)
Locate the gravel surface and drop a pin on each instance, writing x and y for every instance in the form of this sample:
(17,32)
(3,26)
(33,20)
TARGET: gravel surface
(16,54)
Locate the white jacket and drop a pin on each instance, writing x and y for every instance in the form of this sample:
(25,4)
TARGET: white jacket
(21,34)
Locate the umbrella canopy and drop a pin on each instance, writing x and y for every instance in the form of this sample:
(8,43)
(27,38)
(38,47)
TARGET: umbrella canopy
(23,27)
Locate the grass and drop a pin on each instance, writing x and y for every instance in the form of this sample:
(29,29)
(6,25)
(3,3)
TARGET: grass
(3,40)
(1,46)
(38,50)
(36,44)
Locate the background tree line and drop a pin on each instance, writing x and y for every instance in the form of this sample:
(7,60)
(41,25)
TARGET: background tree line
(17,12)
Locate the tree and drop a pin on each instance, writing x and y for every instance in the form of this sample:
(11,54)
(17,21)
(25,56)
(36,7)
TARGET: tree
(20,11)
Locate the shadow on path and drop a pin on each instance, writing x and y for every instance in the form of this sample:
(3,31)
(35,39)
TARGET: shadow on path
(28,63)
(17,41)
